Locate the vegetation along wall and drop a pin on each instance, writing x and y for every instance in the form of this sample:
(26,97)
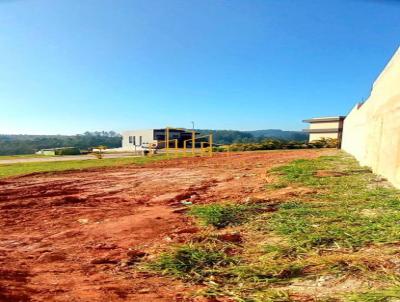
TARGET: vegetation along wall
(372,130)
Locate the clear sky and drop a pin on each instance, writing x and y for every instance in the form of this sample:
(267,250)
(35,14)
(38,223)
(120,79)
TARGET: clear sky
(67,66)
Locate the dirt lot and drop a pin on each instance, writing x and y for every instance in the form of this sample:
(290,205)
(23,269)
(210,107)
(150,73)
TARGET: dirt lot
(70,236)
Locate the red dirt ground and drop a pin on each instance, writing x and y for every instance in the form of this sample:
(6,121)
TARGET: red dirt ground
(69,236)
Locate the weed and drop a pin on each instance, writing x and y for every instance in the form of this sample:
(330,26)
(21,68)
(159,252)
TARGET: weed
(382,295)
(192,262)
(223,215)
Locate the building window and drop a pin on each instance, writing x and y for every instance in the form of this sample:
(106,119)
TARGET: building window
(134,140)
(130,139)
(140,140)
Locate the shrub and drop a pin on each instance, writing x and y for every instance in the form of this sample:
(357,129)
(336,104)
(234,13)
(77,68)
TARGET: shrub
(324,143)
(192,262)
(222,215)
(273,144)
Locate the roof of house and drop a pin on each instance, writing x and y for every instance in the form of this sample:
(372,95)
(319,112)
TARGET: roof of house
(325,119)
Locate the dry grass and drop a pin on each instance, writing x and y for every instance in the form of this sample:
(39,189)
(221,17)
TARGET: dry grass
(340,241)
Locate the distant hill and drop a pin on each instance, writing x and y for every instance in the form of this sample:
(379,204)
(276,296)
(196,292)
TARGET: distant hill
(11,144)
(235,136)
(280,134)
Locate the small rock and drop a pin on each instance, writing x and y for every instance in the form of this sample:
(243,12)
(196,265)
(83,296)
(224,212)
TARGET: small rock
(83,221)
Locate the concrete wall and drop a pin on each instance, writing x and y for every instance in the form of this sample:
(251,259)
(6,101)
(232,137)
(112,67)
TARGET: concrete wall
(318,136)
(372,131)
(325,125)
(136,145)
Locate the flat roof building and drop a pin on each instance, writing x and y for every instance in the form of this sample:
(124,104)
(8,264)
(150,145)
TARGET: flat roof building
(139,140)
(325,127)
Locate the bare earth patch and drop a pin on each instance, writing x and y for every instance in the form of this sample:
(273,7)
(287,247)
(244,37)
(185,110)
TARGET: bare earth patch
(75,236)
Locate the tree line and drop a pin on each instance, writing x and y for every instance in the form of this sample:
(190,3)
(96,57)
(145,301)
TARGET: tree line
(224,137)
(29,144)
(275,144)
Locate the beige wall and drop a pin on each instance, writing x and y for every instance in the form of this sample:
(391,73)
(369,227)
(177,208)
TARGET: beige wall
(327,125)
(318,136)
(372,132)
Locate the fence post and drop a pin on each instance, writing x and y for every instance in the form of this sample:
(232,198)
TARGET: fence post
(210,141)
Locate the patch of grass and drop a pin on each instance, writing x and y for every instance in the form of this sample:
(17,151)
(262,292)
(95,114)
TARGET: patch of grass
(277,251)
(192,262)
(225,214)
(382,295)
(8,170)
(266,270)
(347,227)
(303,171)
(352,211)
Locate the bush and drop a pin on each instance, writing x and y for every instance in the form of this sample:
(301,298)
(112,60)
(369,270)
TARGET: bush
(324,143)
(220,215)
(273,144)
(191,261)
(227,214)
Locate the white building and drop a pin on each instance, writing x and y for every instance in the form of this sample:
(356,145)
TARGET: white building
(139,140)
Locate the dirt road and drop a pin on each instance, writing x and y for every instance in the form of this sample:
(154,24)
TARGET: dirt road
(72,236)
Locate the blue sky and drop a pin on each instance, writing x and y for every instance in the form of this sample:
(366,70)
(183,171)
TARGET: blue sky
(67,66)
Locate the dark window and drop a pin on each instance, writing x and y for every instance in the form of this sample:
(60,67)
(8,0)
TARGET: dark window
(130,139)
(134,140)
(140,140)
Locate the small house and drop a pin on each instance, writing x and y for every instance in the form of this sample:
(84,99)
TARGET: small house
(139,140)
(325,127)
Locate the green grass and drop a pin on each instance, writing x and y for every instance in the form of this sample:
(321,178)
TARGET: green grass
(226,214)
(380,295)
(347,227)
(193,262)
(8,170)
(302,171)
(351,211)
